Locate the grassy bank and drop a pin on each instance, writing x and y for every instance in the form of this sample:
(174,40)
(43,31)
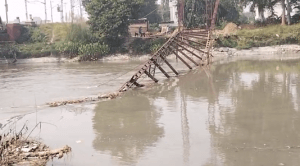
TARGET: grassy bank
(264,36)
(72,40)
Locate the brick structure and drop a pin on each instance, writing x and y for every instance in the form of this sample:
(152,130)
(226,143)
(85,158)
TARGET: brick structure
(13,31)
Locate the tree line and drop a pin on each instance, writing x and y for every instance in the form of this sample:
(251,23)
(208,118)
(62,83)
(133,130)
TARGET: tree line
(109,19)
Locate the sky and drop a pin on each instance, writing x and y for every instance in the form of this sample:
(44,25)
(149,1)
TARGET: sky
(16,8)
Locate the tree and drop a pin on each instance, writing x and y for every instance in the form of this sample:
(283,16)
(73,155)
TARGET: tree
(149,10)
(165,10)
(288,11)
(193,12)
(261,6)
(283,12)
(109,19)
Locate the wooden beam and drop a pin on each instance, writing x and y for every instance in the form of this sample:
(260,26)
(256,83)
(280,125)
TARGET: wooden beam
(149,75)
(187,57)
(160,68)
(195,34)
(196,37)
(171,67)
(189,51)
(174,52)
(201,44)
(177,41)
(183,48)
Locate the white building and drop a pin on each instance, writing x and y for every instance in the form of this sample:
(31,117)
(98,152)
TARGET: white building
(173,12)
(277,11)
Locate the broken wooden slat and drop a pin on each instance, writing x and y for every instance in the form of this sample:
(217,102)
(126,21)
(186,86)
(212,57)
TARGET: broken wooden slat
(183,43)
(196,37)
(160,68)
(201,44)
(196,34)
(171,67)
(187,57)
(174,52)
(190,52)
(149,75)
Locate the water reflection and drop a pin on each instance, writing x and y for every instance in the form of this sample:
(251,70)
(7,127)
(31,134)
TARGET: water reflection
(258,120)
(126,126)
(239,113)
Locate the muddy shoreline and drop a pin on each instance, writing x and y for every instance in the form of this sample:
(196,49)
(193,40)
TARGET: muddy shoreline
(219,52)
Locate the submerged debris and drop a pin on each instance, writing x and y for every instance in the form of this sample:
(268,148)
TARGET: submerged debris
(88,99)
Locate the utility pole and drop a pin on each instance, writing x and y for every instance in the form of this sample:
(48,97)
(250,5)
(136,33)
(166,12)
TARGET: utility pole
(80,7)
(45,11)
(62,10)
(72,15)
(51,11)
(6,7)
(26,10)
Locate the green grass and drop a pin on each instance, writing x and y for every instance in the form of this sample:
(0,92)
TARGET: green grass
(265,36)
(35,50)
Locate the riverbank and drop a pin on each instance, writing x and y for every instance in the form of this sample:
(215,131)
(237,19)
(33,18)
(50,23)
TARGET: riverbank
(218,53)
(271,35)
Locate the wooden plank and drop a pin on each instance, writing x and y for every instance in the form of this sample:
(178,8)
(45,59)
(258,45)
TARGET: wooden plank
(201,44)
(174,52)
(149,75)
(196,34)
(196,37)
(195,30)
(187,57)
(160,68)
(190,51)
(171,67)
(179,42)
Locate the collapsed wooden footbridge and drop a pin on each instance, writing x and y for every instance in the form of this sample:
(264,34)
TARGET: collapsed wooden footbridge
(184,44)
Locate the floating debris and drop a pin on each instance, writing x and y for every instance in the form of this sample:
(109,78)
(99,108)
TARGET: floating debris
(88,99)
(15,149)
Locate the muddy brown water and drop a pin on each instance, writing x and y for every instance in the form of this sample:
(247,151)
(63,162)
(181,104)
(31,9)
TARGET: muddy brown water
(243,112)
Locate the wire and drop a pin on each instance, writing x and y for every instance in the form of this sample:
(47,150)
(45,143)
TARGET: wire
(150,12)
(120,75)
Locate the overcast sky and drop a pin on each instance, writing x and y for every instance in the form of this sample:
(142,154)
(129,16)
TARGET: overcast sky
(16,8)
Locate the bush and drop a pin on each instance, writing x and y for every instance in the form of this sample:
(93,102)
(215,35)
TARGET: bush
(8,50)
(146,46)
(31,34)
(93,51)
(35,50)
(68,48)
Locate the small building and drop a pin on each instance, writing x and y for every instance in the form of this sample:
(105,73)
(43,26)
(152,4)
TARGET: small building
(136,24)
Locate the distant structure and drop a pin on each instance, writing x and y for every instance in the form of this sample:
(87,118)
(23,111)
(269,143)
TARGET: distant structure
(136,24)
(37,20)
(173,12)
(267,13)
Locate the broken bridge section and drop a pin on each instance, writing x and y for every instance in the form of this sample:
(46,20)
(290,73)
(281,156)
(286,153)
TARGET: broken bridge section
(184,44)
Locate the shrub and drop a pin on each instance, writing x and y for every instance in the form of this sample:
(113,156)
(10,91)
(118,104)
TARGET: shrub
(8,50)
(92,51)
(146,46)
(68,48)
(35,50)
(31,34)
